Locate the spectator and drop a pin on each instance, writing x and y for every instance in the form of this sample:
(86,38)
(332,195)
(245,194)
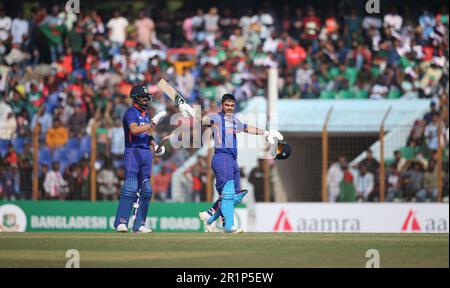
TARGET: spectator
(303,76)
(42,174)
(185,82)
(371,163)
(5,25)
(347,187)
(8,186)
(19,29)
(56,136)
(25,170)
(392,21)
(117,139)
(145,30)
(211,25)
(23,124)
(161,183)
(11,156)
(237,41)
(430,184)
(75,40)
(187,29)
(290,90)
(8,123)
(103,140)
(117,29)
(294,54)
(198,25)
(107,182)
(399,161)
(420,157)
(365,184)
(197,184)
(393,187)
(335,175)
(311,24)
(77,121)
(428,118)
(412,179)
(431,131)
(53,28)
(352,25)
(54,184)
(84,179)
(119,107)
(256,178)
(94,23)
(44,120)
(416,136)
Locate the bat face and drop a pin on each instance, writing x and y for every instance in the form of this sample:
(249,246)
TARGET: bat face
(171,92)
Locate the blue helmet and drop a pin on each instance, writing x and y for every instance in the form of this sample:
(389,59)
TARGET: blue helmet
(283,151)
(136,94)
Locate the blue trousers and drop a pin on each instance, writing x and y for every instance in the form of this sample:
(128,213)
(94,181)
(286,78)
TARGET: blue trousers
(138,167)
(225,168)
(138,163)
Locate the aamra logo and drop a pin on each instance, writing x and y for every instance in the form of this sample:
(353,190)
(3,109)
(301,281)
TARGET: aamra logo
(282,224)
(12,219)
(411,223)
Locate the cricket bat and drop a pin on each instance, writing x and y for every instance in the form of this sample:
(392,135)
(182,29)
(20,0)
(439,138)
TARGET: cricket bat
(171,92)
(176,97)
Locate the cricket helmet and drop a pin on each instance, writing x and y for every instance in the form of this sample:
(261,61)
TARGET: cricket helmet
(283,151)
(137,93)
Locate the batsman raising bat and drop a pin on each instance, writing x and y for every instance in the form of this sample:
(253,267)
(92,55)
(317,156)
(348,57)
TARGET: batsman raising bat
(224,162)
(138,161)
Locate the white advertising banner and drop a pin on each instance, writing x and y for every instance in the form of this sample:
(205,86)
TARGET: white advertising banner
(352,217)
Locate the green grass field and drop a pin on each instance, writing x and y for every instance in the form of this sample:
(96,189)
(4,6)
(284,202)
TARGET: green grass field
(220,250)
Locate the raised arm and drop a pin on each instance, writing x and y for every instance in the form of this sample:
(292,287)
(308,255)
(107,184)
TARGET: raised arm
(270,135)
(255,131)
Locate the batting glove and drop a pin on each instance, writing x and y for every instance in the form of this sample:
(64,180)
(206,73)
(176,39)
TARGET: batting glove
(159,150)
(158,117)
(272,136)
(187,110)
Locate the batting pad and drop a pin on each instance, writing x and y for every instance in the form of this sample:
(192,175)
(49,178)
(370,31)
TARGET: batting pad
(144,202)
(127,198)
(237,199)
(227,206)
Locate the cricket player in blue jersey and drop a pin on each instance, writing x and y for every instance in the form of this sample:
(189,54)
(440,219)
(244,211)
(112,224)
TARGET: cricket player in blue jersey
(138,161)
(224,162)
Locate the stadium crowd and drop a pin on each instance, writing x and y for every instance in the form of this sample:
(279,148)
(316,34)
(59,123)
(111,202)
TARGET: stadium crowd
(67,71)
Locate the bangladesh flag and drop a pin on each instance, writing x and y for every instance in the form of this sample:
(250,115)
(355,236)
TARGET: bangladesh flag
(53,33)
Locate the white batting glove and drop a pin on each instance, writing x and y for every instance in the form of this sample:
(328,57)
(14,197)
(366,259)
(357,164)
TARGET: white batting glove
(187,110)
(273,136)
(160,115)
(159,150)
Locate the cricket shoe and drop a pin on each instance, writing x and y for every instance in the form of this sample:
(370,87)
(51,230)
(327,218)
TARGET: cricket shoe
(204,216)
(144,229)
(122,228)
(235,230)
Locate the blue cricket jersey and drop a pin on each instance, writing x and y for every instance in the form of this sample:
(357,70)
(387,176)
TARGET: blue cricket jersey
(224,133)
(140,117)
